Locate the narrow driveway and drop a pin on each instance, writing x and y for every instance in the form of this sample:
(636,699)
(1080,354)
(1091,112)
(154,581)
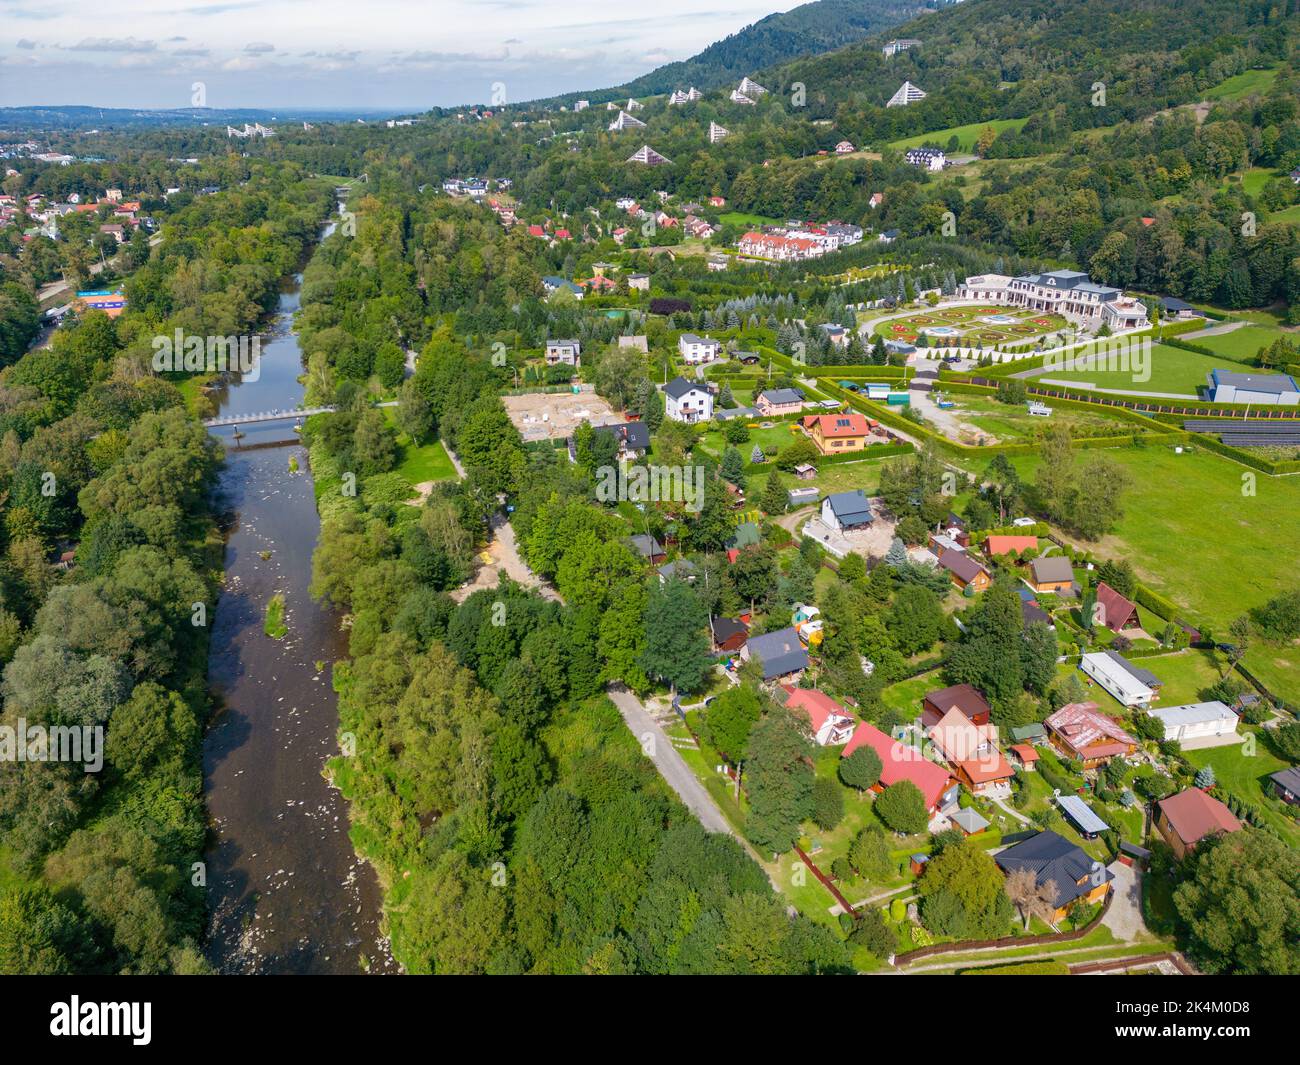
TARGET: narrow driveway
(1124,918)
(660,750)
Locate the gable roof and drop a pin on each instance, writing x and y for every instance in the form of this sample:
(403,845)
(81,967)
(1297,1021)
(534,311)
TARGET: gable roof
(1051,569)
(850,508)
(1144,676)
(1052,857)
(780,652)
(680,386)
(819,706)
(780,396)
(1193,815)
(964,566)
(1001,545)
(969,820)
(1118,610)
(1288,778)
(964,697)
(901,762)
(1084,727)
(724,629)
(632,435)
(837,425)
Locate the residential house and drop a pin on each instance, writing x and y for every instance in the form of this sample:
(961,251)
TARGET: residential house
(1172,309)
(1069,293)
(649,548)
(1004,545)
(633,438)
(553,284)
(779,247)
(729,634)
(835,434)
(836,334)
(844,148)
(696,349)
(1052,574)
(1082,731)
(683,569)
(1188,817)
(775,402)
(780,653)
(963,697)
(685,401)
(877,198)
(1051,857)
(1127,683)
(900,761)
(568,352)
(1115,612)
(963,567)
(888,237)
(639,282)
(832,725)
(1198,724)
(1286,785)
(844,511)
(972,752)
(1082,816)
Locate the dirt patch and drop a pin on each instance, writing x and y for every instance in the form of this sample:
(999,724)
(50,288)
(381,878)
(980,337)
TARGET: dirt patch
(551,416)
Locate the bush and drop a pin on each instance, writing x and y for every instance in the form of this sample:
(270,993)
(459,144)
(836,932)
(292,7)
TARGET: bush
(873,934)
(828,803)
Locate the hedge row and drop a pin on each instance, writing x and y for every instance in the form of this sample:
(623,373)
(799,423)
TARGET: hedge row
(1120,413)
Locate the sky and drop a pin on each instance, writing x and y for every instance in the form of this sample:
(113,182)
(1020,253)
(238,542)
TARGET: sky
(397,54)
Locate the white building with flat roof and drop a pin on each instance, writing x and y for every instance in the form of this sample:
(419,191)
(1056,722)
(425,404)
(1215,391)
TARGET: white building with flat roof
(1196,721)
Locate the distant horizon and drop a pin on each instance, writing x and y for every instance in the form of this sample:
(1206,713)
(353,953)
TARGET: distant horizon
(232,55)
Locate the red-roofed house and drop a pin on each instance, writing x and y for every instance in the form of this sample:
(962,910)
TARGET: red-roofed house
(1188,817)
(1024,755)
(1118,613)
(536,231)
(964,697)
(901,762)
(1082,731)
(831,723)
(1004,545)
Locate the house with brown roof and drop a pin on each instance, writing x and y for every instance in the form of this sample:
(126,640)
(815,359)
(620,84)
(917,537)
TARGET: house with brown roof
(1054,573)
(1188,817)
(729,634)
(965,570)
(1116,612)
(1082,731)
(963,697)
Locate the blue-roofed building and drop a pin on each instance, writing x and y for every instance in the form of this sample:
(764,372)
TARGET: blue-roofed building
(781,653)
(843,511)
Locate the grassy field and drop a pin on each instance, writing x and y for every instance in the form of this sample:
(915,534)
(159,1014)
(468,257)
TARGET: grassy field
(740,218)
(1243,769)
(1239,86)
(1168,369)
(1196,535)
(1243,344)
(1014,424)
(966,135)
(429,462)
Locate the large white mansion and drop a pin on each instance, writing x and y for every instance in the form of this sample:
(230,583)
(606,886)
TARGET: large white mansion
(1069,293)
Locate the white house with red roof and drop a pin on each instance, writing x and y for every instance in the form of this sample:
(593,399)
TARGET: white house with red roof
(831,723)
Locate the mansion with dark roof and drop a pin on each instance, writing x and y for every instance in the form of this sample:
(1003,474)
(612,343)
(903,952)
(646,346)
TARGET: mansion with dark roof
(1069,293)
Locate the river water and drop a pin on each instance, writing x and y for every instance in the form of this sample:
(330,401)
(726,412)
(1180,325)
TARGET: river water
(286,892)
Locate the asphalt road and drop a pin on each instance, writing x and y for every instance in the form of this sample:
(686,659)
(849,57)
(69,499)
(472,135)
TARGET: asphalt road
(656,744)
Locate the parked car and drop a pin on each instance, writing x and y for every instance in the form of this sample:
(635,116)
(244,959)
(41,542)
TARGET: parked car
(1022,522)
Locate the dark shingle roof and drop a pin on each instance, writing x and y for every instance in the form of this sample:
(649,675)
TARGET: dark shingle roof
(1053,857)
(679,386)
(780,652)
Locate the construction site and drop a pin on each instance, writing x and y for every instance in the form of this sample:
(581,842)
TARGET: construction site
(553,415)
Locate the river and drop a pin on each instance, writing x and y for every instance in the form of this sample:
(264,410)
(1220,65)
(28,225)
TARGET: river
(286,892)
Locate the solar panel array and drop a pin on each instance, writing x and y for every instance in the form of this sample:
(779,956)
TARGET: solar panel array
(1241,433)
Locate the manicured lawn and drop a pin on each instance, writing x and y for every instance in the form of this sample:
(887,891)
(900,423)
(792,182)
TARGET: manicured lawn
(906,695)
(740,218)
(1015,423)
(429,462)
(1243,344)
(1166,369)
(966,135)
(1243,769)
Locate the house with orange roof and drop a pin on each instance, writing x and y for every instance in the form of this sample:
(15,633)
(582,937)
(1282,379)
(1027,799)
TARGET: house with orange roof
(1004,545)
(972,752)
(900,761)
(831,723)
(1082,731)
(835,434)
